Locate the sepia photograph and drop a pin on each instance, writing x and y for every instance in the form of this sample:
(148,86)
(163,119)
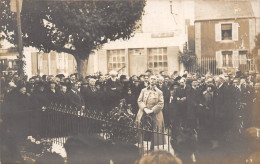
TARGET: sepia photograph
(130,81)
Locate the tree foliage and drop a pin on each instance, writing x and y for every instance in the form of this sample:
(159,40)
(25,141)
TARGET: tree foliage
(74,27)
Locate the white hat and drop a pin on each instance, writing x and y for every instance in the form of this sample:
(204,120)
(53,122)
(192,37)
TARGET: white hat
(113,73)
(12,84)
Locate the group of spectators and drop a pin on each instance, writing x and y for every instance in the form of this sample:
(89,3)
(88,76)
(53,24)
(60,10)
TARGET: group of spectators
(189,100)
(220,104)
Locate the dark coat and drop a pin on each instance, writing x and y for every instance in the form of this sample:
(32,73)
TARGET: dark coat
(62,98)
(53,97)
(75,99)
(144,85)
(172,107)
(131,99)
(16,117)
(40,99)
(255,110)
(93,99)
(219,102)
(114,95)
(165,90)
(181,104)
(208,98)
(194,98)
(136,90)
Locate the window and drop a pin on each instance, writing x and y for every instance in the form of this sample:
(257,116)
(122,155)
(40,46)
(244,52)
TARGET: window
(226,31)
(242,57)
(227,59)
(116,61)
(60,61)
(157,60)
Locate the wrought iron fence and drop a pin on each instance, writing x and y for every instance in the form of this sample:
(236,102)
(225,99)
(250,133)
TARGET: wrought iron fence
(59,122)
(204,65)
(209,64)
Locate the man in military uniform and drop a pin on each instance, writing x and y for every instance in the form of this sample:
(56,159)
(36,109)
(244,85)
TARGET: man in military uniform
(151,102)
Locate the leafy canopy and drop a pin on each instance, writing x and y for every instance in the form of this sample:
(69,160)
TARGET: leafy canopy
(75,27)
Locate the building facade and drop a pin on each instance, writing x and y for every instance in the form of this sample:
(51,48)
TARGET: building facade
(226,30)
(155,45)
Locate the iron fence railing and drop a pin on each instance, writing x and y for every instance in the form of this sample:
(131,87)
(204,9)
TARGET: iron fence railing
(209,64)
(59,122)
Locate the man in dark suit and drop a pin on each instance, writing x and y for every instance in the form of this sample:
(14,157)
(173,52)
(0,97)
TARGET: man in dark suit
(62,94)
(15,124)
(51,92)
(167,82)
(92,97)
(220,106)
(145,83)
(236,106)
(136,88)
(208,114)
(83,89)
(165,92)
(74,97)
(114,90)
(194,100)
(172,107)
(40,98)
(247,101)
(181,101)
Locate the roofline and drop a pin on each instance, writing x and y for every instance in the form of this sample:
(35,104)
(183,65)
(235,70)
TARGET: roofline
(203,20)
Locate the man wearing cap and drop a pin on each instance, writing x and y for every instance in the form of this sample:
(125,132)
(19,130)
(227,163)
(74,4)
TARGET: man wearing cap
(151,102)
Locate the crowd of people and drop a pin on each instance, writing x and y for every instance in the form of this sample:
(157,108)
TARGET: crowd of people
(223,105)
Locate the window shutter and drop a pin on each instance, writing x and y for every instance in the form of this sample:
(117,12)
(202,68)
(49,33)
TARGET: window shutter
(218,32)
(235,31)
(219,59)
(235,59)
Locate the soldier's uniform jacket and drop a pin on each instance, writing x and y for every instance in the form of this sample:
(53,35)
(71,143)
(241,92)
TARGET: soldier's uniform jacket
(152,99)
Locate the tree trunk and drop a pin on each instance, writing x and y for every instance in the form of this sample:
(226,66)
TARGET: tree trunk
(80,65)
